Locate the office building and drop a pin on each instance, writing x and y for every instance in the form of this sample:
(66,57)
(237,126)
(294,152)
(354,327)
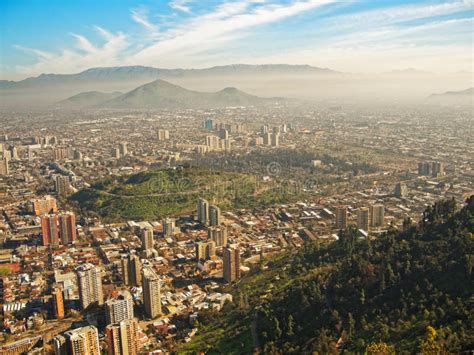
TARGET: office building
(209,124)
(205,250)
(218,235)
(63,185)
(267,138)
(231,260)
(341,217)
(89,280)
(67,227)
(203,211)
(363,219)
(49,229)
(151,292)
(44,205)
(163,135)
(58,302)
(131,270)
(79,341)
(146,236)
(275,139)
(119,308)
(215,217)
(377,215)
(122,338)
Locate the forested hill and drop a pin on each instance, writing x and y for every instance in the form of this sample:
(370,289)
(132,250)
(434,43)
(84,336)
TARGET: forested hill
(388,290)
(408,291)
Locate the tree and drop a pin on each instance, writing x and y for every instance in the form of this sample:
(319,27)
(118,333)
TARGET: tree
(430,345)
(379,348)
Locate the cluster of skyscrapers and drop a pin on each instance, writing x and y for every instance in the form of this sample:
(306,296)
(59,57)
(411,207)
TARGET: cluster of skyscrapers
(372,216)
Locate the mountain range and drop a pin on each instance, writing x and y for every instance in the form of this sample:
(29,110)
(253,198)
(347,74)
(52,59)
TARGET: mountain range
(271,80)
(149,73)
(161,94)
(463,97)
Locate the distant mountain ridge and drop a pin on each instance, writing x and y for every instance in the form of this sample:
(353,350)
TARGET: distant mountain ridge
(462,97)
(467,92)
(161,94)
(139,72)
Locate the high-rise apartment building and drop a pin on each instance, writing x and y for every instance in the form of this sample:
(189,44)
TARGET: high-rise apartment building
(67,227)
(215,218)
(163,134)
(437,169)
(169,225)
(89,280)
(131,270)
(123,149)
(231,263)
(377,215)
(341,217)
(79,341)
(225,145)
(424,168)
(60,153)
(203,211)
(205,250)
(122,338)
(151,292)
(218,235)
(401,190)
(146,236)
(213,142)
(119,308)
(63,185)
(49,229)
(363,219)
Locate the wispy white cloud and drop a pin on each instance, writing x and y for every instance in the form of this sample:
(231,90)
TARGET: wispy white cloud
(140,16)
(181,5)
(84,55)
(229,18)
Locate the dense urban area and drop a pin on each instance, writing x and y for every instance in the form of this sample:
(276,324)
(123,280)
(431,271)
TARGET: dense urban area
(133,231)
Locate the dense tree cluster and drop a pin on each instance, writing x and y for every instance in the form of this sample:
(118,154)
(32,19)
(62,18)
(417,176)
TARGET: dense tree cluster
(405,291)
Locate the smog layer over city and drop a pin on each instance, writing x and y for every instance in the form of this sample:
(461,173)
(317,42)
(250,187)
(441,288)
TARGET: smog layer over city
(236,177)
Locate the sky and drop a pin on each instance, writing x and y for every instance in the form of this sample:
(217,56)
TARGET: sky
(69,36)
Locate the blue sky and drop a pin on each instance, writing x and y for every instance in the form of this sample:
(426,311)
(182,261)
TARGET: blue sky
(66,36)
